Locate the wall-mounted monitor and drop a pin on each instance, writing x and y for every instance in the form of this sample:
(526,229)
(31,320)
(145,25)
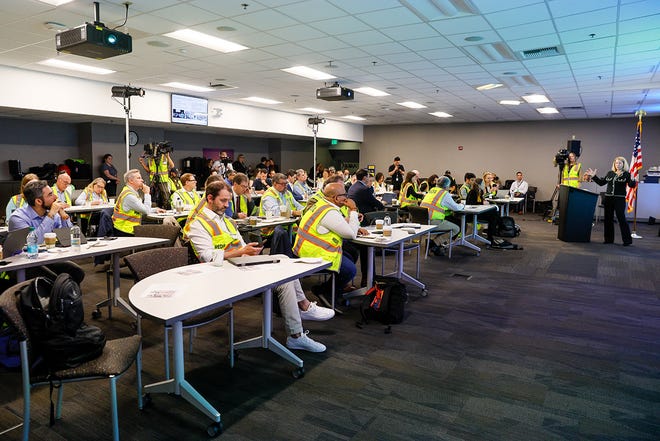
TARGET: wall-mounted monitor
(190,110)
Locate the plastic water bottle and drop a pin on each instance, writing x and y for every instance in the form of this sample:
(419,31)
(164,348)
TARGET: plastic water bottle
(32,244)
(387,221)
(75,239)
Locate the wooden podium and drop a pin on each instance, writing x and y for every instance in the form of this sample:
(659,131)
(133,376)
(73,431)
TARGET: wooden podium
(576,214)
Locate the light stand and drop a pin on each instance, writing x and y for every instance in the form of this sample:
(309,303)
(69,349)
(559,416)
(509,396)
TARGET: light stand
(126,92)
(314,123)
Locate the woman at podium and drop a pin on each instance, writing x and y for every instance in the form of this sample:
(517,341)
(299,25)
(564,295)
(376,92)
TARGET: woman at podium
(614,199)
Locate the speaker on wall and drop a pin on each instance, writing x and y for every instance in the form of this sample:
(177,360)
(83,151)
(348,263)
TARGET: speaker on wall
(15,169)
(573,146)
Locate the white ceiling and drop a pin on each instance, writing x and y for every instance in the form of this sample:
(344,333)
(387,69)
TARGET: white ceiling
(417,50)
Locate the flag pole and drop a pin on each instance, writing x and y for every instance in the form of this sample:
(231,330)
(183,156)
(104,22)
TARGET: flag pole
(640,113)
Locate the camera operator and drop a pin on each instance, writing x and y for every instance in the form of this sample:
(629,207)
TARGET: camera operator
(570,175)
(223,164)
(158,162)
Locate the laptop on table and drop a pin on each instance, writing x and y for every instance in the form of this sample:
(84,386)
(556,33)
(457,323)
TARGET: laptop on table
(64,236)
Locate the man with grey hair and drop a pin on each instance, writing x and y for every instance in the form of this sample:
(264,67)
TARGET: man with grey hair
(300,187)
(277,196)
(129,206)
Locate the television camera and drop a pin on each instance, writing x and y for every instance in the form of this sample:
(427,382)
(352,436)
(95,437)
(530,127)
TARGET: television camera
(153,150)
(560,158)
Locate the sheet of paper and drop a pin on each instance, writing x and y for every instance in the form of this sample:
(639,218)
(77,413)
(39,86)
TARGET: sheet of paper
(162,291)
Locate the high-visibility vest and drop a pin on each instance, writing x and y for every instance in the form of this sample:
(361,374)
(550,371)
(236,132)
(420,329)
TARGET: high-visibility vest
(221,239)
(408,200)
(191,216)
(310,243)
(186,197)
(271,192)
(67,196)
(467,190)
(18,200)
(571,175)
(161,169)
(125,220)
(242,202)
(89,196)
(433,202)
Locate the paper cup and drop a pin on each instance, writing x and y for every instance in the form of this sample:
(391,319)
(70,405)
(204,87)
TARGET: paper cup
(387,231)
(379,224)
(218,257)
(50,239)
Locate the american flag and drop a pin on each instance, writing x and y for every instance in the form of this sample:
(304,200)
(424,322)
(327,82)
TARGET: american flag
(635,166)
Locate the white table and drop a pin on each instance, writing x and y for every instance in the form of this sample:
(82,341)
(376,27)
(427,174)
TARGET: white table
(160,216)
(202,287)
(504,204)
(398,238)
(474,210)
(20,262)
(77,210)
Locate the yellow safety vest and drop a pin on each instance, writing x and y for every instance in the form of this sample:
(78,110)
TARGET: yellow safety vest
(408,200)
(310,243)
(161,169)
(221,240)
(67,196)
(242,202)
(571,175)
(125,220)
(191,216)
(89,196)
(432,202)
(288,199)
(185,197)
(18,200)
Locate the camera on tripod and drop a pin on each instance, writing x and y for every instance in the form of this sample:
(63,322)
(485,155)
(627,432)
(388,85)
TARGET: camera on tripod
(560,158)
(154,150)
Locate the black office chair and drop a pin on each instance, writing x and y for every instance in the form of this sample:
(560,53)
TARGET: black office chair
(117,357)
(420,215)
(530,199)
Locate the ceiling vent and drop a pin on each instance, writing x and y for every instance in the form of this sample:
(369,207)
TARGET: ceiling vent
(543,52)
(221,86)
(518,80)
(572,108)
(431,10)
(490,52)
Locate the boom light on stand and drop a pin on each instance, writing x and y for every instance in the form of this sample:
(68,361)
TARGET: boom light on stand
(125,93)
(314,123)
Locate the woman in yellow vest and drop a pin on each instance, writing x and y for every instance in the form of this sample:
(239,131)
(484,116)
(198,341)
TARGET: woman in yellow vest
(17,201)
(572,170)
(93,194)
(409,192)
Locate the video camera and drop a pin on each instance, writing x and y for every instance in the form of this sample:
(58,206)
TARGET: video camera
(560,158)
(157,149)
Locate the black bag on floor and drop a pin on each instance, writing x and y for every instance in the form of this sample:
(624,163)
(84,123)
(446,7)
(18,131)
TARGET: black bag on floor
(53,313)
(507,227)
(384,302)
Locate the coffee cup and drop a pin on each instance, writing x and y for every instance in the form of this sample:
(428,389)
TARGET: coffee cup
(253,220)
(387,231)
(218,257)
(50,239)
(379,224)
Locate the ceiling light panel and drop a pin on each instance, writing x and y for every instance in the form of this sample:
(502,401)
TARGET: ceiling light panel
(354,118)
(371,91)
(256,99)
(314,110)
(536,98)
(55,62)
(547,110)
(510,102)
(442,114)
(177,85)
(308,72)
(56,2)
(205,40)
(412,105)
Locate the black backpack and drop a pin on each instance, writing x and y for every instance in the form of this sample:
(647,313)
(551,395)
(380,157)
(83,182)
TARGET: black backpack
(53,313)
(507,227)
(384,302)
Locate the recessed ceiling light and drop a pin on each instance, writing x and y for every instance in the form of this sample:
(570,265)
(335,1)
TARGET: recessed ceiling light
(442,114)
(547,110)
(510,102)
(314,110)
(489,86)
(185,86)
(474,38)
(205,40)
(257,99)
(354,118)
(54,62)
(308,72)
(371,91)
(412,105)
(56,2)
(536,98)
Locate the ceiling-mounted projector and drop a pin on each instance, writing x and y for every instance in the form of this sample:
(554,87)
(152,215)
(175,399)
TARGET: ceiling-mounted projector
(335,93)
(94,40)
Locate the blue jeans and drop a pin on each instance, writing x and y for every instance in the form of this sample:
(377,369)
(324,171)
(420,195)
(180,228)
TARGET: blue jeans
(347,271)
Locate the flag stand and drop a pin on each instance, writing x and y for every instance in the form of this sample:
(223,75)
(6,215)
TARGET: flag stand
(640,113)
(634,234)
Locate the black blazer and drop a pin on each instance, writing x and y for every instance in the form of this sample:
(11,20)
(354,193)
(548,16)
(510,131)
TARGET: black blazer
(364,198)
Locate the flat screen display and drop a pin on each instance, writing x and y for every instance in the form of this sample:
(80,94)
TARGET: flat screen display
(190,110)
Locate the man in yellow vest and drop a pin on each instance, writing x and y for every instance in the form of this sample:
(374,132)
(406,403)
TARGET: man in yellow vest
(322,231)
(129,207)
(187,194)
(240,205)
(440,205)
(211,230)
(61,188)
(277,196)
(571,174)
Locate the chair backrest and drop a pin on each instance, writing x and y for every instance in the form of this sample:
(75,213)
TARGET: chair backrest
(9,308)
(371,217)
(419,215)
(161,231)
(149,262)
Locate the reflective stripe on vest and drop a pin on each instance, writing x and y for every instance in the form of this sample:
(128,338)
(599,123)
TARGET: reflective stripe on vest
(408,200)
(67,196)
(310,243)
(221,240)
(18,200)
(571,177)
(125,220)
(288,199)
(191,216)
(432,202)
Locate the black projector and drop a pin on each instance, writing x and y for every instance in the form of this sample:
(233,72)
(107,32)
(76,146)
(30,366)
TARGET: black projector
(335,93)
(93,41)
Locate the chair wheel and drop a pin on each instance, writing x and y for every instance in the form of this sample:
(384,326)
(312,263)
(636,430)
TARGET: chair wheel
(425,292)
(147,401)
(214,429)
(298,373)
(97,314)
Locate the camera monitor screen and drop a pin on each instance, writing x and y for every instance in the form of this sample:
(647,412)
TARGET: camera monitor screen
(190,110)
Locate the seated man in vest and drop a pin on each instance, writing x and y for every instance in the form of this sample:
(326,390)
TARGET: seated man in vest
(61,188)
(129,207)
(322,231)
(212,230)
(440,205)
(470,179)
(187,194)
(277,196)
(240,205)
(44,212)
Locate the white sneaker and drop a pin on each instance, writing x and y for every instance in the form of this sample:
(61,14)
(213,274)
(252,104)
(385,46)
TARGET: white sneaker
(317,313)
(304,343)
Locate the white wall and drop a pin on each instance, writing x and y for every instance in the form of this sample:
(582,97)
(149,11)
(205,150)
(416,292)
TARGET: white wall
(505,148)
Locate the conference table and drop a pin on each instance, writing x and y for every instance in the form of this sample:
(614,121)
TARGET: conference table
(159,217)
(401,233)
(116,246)
(474,211)
(172,296)
(77,210)
(504,204)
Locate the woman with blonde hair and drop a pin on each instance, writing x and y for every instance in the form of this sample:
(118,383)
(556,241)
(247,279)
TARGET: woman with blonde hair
(614,199)
(17,201)
(94,193)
